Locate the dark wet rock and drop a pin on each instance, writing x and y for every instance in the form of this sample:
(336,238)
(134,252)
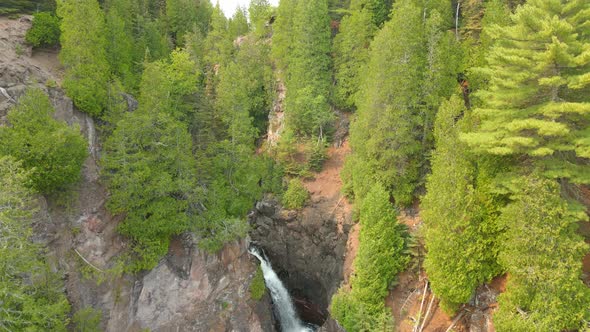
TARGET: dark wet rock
(307,252)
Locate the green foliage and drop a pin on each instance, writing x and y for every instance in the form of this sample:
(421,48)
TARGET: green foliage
(309,70)
(218,43)
(238,24)
(410,71)
(182,15)
(351,54)
(296,195)
(379,259)
(257,286)
(460,215)
(379,9)
(170,86)
(536,104)
(122,53)
(150,171)
(245,88)
(316,154)
(87,320)
(51,150)
(384,138)
(283,36)
(83,54)
(260,13)
(542,254)
(44,31)
(25,6)
(31,297)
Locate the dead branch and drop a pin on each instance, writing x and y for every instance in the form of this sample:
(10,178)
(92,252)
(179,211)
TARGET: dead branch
(87,262)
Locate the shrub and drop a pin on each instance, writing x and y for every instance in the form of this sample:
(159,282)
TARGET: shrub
(316,154)
(44,31)
(257,286)
(87,320)
(296,195)
(50,149)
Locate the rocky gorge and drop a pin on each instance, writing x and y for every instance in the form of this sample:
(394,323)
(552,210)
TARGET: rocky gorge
(190,289)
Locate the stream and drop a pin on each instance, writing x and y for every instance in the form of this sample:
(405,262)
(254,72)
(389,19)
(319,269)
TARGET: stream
(283,305)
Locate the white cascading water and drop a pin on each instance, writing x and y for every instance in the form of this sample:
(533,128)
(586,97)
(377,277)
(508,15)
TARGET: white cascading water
(288,318)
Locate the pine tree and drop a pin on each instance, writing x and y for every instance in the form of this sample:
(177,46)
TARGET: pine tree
(182,15)
(309,70)
(150,171)
(542,254)
(121,51)
(351,54)
(171,86)
(386,145)
(260,13)
(283,34)
(238,24)
(536,104)
(83,54)
(379,9)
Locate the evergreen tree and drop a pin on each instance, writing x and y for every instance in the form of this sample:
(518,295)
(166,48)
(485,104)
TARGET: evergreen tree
(50,150)
(246,87)
(379,259)
(536,104)
(83,54)
(182,15)
(121,51)
(459,214)
(309,70)
(217,49)
(351,54)
(171,86)
(31,297)
(542,254)
(379,9)
(150,171)
(443,62)
(283,34)
(260,13)
(385,142)
(238,24)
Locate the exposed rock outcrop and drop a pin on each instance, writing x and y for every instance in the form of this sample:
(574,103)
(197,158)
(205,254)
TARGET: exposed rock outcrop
(190,290)
(307,251)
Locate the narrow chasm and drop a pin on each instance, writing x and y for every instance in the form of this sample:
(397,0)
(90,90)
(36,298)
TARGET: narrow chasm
(306,249)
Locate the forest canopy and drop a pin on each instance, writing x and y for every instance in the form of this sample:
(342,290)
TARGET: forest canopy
(471,117)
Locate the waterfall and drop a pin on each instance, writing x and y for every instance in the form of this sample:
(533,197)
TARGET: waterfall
(288,318)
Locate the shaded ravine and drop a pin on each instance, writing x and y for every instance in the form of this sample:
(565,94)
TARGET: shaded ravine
(287,315)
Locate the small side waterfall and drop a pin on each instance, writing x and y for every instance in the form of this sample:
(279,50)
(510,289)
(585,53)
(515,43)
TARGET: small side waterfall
(288,318)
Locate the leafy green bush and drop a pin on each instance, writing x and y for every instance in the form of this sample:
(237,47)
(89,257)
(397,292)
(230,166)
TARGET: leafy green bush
(50,149)
(381,256)
(87,320)
(44,31)
(316,154)
(296,195)
(257,286)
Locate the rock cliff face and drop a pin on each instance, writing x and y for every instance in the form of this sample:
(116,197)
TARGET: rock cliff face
(190,290)
(306,250)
